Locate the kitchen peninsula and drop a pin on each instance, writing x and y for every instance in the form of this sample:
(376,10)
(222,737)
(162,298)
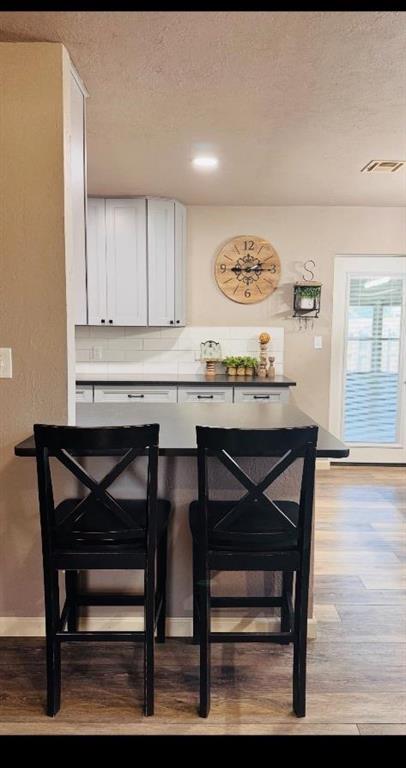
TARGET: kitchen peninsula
(178,481)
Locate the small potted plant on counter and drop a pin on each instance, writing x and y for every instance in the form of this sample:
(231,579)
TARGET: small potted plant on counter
(240,366)
(231,365)
(250,365)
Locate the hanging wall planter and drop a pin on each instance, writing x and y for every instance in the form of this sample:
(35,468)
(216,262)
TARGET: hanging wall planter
(307,298)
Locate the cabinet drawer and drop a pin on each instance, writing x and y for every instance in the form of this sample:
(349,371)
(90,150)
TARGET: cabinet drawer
(117,394)
(84,394)
(261,395)
(205,395)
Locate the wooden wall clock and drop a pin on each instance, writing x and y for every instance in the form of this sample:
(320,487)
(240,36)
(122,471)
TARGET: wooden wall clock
(247,269)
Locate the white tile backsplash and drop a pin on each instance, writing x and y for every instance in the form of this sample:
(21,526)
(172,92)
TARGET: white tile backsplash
(166,350)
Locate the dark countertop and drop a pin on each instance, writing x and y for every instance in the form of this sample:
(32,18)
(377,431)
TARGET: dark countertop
(178,423)
(220,379)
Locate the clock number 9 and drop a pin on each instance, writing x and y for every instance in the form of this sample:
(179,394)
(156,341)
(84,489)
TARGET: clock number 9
(247,294)
(248,245)
(223,267)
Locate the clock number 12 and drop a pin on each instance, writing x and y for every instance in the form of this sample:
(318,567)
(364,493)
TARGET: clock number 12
(248,245)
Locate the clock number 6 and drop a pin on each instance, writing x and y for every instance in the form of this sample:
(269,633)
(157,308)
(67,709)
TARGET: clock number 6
(247,294)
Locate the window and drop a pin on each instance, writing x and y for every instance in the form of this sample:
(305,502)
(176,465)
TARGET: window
(372,359)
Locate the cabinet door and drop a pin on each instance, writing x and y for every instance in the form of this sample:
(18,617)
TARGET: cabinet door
(161,262)
(78,201)
(96,261)
(180,264)
(126,258)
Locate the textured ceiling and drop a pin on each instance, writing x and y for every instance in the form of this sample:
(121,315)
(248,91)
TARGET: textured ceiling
(293,103)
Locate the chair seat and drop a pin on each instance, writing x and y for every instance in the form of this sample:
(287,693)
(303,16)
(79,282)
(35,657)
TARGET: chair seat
(99,525)
(257,528)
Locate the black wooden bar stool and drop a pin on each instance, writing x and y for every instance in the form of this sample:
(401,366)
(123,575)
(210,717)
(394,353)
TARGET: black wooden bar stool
(254,534)
(99,531)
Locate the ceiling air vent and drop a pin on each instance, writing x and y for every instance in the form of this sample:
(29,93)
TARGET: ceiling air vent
(383,166)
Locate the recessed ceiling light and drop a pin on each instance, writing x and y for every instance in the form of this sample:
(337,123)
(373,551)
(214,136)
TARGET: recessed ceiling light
(205,162)
(383,166)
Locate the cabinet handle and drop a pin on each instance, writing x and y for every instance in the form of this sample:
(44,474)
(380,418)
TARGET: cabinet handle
(111,322)
(102,321)
(205,397)
(132,396)
(261,397)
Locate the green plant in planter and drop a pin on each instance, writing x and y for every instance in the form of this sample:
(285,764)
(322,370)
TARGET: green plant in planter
(250,364)
(309,291)
(231,365)
(230,362)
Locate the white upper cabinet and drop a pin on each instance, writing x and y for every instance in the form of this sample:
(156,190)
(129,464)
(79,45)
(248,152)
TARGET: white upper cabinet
(77,168)
(96,261)
(161,262)
(180,264)
(126,259)
(135,262)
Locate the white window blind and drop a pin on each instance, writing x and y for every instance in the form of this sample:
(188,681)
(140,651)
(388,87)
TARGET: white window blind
(372,359)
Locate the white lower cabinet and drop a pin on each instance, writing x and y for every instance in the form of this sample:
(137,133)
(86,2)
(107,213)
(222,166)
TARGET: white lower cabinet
(261,394)
(118,394)
(205,395)
(84,394)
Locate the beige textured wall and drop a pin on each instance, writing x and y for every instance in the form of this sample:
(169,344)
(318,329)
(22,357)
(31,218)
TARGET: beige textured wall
(32,298)
(298,234)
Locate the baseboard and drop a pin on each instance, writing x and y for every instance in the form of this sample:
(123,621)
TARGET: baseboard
(22,626)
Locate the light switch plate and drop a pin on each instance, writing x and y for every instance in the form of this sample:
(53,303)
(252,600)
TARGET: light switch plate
(6,366)
(318,342)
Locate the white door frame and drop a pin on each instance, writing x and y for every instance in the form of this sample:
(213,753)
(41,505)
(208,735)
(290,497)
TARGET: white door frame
(343,265)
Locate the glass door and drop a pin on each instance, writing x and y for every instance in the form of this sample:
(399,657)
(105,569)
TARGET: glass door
(367,407)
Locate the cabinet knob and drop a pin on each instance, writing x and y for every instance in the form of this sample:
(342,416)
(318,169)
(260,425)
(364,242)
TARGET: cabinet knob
(178,321)
(110,321)
(171,322)
(102,321)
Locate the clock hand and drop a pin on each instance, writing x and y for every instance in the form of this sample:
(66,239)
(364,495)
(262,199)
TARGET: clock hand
(247,269)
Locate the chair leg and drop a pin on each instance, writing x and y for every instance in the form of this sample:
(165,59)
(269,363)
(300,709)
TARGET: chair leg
(149,629)
(300,642)
(287,586)
(204,626)
(195,595)
(53,648)
(71,587)
(161,586)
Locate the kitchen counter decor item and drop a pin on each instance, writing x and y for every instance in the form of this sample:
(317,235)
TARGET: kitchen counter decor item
(271,368)
(231,365)
(210,352)
(250,365)
(240,366)
(264,339)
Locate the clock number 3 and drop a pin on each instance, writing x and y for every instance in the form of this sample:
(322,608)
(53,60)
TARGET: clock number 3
(248,245)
